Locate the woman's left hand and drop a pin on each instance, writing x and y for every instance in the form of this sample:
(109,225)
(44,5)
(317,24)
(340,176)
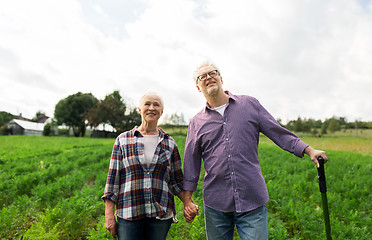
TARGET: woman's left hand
(111,225)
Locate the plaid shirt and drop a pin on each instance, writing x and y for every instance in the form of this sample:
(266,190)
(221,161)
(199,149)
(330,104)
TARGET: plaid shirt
(138,189)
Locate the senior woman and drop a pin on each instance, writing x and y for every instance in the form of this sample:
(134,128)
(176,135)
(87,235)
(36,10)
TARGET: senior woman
(144,175)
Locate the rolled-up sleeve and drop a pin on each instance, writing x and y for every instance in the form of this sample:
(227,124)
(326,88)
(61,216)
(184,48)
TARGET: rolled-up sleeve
(113,177)
(282,137)
(176,172)
(192,160)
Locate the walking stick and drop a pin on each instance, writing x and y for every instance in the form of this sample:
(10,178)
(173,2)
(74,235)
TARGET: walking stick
(323,191)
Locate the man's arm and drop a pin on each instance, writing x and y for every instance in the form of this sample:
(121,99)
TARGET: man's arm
(315,154)
(190,209)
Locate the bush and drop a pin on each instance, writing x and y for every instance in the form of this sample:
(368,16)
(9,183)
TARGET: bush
(47,130)
(4,130)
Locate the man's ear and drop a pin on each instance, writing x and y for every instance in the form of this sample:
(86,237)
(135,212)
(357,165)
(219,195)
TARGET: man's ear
(197,86)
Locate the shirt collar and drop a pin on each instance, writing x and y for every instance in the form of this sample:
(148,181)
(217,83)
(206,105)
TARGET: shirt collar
(231,97)
(137,133)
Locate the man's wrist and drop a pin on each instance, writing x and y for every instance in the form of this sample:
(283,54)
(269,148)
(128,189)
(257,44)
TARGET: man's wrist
(307,150)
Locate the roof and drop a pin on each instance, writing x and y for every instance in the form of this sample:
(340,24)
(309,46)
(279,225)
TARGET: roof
(30,125)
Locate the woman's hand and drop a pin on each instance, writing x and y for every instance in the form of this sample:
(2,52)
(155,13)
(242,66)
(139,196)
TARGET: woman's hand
(111,225)
(110,217)
(190,211)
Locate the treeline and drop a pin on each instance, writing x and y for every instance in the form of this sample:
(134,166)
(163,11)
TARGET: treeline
(80,110)
(319,128)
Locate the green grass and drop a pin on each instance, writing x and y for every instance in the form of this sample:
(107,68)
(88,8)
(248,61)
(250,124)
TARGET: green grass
(339,141)
(51,189)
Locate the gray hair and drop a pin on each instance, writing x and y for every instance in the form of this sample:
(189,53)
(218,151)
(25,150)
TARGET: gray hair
(204,64)
(154,94)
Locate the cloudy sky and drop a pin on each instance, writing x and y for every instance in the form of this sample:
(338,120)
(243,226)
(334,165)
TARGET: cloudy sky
(311,59)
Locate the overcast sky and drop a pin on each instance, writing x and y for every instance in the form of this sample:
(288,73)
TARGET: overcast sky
(311,59)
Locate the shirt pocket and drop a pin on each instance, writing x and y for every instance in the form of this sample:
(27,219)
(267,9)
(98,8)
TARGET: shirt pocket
(165,157)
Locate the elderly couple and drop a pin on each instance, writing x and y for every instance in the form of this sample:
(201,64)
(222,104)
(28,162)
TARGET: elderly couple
(146,169)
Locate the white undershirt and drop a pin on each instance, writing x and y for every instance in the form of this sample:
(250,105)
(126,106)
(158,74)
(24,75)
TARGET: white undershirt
(150,142)
(220,109)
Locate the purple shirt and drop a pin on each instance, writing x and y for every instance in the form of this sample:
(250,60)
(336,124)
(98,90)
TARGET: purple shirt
(228,144)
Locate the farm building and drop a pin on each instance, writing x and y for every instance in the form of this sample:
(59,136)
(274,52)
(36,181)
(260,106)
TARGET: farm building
(21,127)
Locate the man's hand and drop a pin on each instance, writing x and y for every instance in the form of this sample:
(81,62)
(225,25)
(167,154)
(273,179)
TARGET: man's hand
(111,225)
(190,210)
(315,154)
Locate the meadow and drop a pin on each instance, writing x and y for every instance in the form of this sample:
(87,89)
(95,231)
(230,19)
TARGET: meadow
(51,188)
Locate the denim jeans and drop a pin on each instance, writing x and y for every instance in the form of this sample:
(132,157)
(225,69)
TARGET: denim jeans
(251,225)
(144,229)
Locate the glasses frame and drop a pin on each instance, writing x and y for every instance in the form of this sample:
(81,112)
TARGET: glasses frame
(206,75)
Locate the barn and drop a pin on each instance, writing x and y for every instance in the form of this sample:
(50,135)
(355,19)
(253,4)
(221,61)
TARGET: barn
(21,127)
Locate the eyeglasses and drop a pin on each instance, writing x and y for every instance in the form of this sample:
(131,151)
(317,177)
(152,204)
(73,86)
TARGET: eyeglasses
(203,77)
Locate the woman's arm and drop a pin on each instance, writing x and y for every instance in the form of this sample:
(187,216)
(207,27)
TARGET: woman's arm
(110,217)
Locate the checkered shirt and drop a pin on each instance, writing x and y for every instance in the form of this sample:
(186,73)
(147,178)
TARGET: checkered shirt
(140,190)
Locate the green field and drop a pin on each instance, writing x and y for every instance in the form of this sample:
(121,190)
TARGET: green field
(51,188)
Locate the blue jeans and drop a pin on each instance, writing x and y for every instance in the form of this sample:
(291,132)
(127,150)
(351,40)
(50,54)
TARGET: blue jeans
(144,229)
(251,225)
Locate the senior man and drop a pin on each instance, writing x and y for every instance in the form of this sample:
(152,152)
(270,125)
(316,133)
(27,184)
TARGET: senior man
(225,134)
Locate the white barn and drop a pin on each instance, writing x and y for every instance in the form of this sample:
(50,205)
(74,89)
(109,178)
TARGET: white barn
(21,127)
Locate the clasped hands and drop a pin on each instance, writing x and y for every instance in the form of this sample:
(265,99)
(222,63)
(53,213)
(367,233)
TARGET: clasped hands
(190,210)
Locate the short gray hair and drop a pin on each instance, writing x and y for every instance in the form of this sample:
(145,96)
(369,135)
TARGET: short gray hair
(204,64)
(154,94)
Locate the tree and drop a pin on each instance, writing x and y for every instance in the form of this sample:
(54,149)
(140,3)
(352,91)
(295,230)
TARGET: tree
(298,125)
(333,125)
(73,111)
(5,117)
(38,115)
(113,108)
(47,131)
(133,118)
(110,110)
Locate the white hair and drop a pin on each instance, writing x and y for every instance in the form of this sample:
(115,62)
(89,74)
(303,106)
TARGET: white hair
(153,94)
(204,64)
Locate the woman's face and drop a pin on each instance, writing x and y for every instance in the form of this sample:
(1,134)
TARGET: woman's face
(151,109)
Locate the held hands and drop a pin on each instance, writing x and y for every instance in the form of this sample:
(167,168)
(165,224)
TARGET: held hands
(315,154)
(190,210)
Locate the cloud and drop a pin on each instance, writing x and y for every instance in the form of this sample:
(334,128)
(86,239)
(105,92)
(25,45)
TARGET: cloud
(308,59)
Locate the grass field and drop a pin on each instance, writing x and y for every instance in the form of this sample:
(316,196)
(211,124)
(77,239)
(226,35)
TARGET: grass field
(51,189)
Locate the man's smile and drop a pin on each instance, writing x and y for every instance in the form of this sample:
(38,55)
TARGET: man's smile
(210,83)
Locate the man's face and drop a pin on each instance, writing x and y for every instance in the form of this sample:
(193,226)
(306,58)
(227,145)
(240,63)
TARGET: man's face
(211,85)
